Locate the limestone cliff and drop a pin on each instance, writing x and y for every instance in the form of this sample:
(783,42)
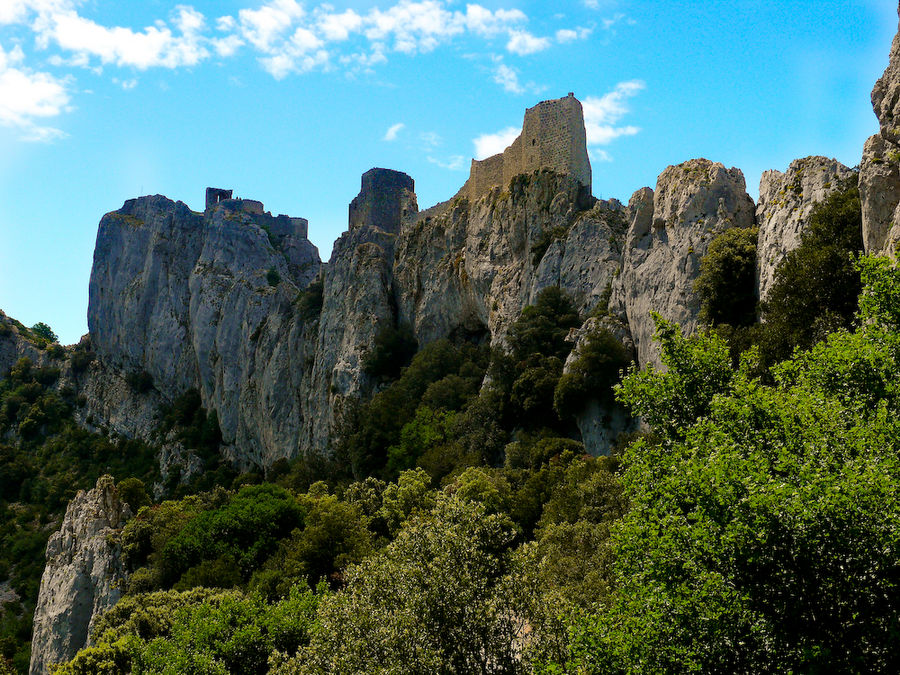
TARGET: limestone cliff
(205,301)
(879,168)
(471,268)
(670,232)
(358,300)
(83,575)
(785,203)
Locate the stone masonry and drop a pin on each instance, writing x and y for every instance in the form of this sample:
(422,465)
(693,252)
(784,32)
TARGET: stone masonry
(553,137)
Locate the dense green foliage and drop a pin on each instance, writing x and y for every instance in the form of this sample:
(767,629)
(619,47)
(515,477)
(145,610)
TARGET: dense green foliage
(392,350)
(764,520)
(727,281)
(309,302)
(45,458)
(601,360)
(202,631)
(817,284)
(755,528)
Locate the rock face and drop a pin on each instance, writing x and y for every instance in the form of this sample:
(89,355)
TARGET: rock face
(879,169)
(471,268)
(205,301)
(14,346)
(598,423)
(358,300)
(785,202)
(670,232)
(82,577)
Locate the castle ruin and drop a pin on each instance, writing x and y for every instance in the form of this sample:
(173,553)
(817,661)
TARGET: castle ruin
(386,197)
(553,137)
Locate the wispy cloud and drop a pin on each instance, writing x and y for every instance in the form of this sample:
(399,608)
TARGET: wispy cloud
(522,42)
(454,163)
(285,36)
(391,133)
(27,98)
(508,78)
(564,35)
(602,114)
(488,145)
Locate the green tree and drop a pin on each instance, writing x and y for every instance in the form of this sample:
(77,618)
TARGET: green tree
(817,284)
(432,601)
(727,281)
(44,332)
(764,525)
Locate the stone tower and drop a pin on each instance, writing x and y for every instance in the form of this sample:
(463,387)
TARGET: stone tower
(553,137)
(385,198)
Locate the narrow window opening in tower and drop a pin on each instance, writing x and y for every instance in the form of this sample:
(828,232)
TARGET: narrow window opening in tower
(533,141)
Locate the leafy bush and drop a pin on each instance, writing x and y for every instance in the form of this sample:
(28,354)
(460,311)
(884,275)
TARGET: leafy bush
(43,332)
(199,631)
(762,533)
(140,381)
(455,618)
(601,360)
(273,277)
(727,281)
(392,350)
(817,284)
(309,302)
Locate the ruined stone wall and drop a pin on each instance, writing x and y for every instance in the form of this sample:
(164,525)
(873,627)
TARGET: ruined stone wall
(553,136)
(385,198)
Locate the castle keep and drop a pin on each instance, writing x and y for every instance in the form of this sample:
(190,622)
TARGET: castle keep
(552,137)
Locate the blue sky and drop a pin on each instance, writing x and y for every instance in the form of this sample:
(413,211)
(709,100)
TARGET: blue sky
(289,102)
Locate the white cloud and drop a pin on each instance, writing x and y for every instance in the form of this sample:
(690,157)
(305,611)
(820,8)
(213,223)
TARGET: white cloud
(488,145)
(601,114)
(338,27)
(286,35)
(454,163)
(391,133)
(565,35)
(126,84)
(154,46)
(27,96)
(487,23)
(264,26)
(430,139)
(508,78)
(522,42)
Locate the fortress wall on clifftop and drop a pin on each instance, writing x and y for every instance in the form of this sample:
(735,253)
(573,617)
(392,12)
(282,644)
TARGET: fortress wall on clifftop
(553,137)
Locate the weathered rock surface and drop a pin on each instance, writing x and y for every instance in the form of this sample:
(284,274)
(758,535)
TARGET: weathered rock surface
(601,424)
(670,232)
(471,268)
(358,301)
(886,96)
(879,168)
(14,346)
(205,301)
(83,575)
(785,202)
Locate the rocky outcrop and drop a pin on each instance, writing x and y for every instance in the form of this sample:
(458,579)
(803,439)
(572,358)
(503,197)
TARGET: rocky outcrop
(15,344)
(879,168)
(785,202)
(599,423)
(886,96)
(471,268)
(83,576)
(879,193)
(358,301)
(205,301)
(670,232)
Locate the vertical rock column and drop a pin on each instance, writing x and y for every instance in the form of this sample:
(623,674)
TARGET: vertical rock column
(83,575)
